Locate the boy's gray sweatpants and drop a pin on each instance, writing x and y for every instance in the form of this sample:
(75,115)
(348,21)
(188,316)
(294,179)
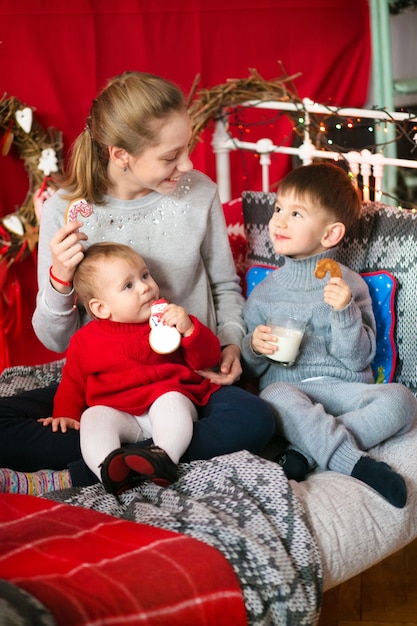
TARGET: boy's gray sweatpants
(333,423)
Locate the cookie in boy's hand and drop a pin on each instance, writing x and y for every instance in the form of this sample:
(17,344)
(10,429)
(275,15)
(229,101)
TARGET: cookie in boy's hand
(327,265)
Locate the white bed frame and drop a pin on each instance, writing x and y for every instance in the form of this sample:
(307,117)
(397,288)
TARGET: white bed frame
(364,162)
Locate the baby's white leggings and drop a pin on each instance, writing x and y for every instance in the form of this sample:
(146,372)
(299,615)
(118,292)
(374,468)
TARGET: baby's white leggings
(169,421)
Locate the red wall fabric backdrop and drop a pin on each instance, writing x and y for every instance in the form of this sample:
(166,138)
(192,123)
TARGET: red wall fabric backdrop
(55,56)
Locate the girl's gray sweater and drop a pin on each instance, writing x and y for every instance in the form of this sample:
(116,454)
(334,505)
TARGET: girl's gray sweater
(184,241)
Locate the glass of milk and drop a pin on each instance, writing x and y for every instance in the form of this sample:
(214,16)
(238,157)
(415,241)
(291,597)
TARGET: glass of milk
(289,332)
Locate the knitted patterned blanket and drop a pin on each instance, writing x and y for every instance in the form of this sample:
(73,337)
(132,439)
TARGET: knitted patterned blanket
(14,380)
(244,506)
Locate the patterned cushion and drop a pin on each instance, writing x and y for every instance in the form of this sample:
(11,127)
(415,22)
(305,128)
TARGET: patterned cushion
(383,238)
(382,289)
(257,208)
(237,237)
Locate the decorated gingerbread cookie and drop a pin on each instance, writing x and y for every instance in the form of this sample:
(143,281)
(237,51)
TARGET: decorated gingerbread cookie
(327,265)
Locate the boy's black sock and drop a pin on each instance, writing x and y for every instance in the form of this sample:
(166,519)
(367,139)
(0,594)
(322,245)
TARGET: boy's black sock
(383,479)
(294,464)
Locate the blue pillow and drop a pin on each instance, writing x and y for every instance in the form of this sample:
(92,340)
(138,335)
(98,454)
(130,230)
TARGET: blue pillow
(382,286)
(255,275)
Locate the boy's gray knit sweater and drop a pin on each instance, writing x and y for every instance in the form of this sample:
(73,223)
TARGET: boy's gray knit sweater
(183,239)
(339,344)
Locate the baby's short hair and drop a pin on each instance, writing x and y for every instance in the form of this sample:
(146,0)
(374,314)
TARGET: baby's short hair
(327,184)
(86,277)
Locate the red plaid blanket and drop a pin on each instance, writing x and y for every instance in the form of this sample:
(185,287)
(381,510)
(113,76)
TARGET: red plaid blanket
(87,567)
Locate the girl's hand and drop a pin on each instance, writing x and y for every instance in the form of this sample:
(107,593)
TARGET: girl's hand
(337,293)
(262,340)
(60,422)
(67,252)
(230,368)
(175,315)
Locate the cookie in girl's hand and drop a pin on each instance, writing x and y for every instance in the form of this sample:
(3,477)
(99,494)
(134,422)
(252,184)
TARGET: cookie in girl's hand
(76,208)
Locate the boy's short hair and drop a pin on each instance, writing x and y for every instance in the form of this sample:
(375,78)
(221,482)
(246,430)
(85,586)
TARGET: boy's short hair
(327,184)
(86,275)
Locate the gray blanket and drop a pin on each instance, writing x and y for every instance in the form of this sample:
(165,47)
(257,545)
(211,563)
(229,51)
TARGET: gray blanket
(243,506)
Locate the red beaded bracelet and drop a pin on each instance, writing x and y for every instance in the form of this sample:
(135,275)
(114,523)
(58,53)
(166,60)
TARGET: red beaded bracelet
(65,283)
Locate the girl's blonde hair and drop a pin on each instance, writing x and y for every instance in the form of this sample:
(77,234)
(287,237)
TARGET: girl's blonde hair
(87,275)
(122,115)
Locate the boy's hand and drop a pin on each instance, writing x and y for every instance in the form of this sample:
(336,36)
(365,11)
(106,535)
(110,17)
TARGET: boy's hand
(60,422)
(337,293)
(262,340)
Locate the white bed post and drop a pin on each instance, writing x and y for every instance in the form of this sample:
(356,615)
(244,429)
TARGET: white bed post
(264,147)
(306,150)
(366,174)
(378,171)
(353,158)
(221,152)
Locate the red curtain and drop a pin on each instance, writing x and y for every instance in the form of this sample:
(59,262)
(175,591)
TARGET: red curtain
(55,56)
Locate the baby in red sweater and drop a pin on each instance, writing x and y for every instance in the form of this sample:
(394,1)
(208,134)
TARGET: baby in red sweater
(116,389)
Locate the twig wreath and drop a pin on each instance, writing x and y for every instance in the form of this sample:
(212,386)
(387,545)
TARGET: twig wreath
(41,152)
(206,105)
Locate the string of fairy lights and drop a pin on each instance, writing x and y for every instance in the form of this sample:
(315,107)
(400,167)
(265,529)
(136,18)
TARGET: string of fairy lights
(333,132)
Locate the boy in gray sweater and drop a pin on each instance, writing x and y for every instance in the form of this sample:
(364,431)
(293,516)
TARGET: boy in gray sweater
(326,404)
